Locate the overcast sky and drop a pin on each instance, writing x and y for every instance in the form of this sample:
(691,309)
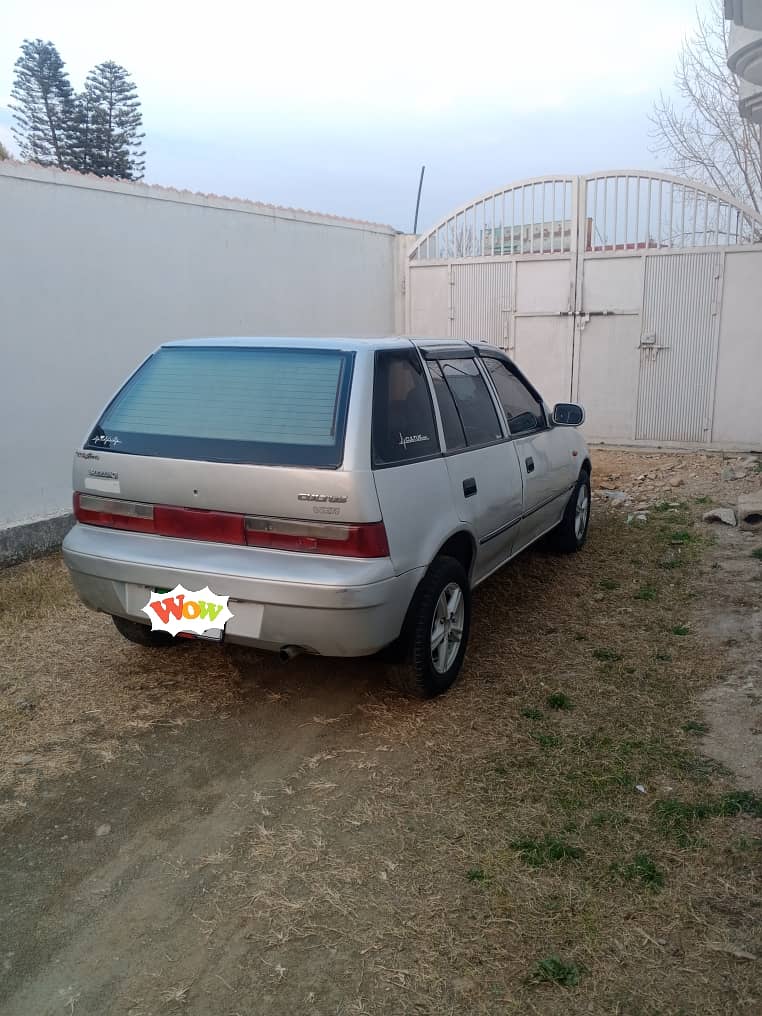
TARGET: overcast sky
(335,105)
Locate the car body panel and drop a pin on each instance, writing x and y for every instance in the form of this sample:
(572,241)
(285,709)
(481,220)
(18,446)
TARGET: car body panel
(495,509)
(549,483)
(409,493)
(341,495)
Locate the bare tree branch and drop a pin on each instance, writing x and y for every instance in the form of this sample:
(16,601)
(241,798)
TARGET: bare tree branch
(701,134)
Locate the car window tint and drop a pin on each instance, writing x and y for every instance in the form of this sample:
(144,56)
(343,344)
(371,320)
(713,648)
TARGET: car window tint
(403,416)
(472,398)
(281,406)
(451,425)
(523,411)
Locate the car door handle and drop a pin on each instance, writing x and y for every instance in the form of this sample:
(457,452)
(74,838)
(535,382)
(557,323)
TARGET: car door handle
(469,487)
(529,464)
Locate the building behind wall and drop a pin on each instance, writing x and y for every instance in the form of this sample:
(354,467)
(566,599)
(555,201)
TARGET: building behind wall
(745,54)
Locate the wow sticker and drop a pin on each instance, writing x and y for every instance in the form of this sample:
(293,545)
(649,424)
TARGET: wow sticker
(184,610)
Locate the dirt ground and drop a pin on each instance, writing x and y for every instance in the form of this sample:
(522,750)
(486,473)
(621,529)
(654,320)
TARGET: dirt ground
(573,829)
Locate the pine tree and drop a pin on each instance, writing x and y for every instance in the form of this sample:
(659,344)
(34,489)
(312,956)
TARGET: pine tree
(109,117)
(42,105)
(4,154)
(83,133)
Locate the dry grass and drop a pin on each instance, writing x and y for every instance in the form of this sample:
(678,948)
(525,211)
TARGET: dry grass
(490,852)
(69,688)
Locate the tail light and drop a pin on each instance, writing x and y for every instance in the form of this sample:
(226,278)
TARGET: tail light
(113,513)
(338,539)
(367,540)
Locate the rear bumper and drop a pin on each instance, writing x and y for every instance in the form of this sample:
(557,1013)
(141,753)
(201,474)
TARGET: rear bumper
(327,605)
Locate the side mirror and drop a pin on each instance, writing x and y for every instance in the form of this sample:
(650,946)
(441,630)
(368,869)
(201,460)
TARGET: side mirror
(568,414)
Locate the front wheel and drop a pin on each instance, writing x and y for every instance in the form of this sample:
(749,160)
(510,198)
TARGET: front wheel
(436,630)
(571,532)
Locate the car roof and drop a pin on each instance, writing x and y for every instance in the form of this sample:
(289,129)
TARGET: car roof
(312,342)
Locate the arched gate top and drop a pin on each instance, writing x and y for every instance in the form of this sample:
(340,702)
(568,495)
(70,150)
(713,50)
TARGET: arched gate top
(609,211)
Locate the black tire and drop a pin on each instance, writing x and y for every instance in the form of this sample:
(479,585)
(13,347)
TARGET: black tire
(566,538)
(142,635)
(418,675)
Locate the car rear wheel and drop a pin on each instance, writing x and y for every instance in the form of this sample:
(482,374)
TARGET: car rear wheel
(142,635)
(436,630)
(571,533)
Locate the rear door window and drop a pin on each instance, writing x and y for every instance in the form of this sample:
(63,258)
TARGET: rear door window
(523,411)
(264,406)
(473,401)
(404,429)
(454,435)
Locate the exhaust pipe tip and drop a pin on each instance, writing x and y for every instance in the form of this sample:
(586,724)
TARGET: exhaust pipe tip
(287,653)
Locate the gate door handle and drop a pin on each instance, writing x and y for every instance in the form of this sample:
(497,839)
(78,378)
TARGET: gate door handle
(529,464)
(469,487)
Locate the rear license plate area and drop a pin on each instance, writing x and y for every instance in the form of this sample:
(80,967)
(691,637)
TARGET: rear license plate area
(138,596)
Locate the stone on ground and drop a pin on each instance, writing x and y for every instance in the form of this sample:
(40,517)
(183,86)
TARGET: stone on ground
(726,515)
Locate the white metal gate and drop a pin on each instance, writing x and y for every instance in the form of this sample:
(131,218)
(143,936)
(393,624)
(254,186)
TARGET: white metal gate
(606,289)
(678,347)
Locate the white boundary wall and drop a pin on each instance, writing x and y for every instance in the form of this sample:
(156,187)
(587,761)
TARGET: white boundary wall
(95,274)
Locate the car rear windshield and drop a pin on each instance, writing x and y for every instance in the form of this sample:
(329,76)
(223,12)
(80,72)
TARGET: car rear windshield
(267,406)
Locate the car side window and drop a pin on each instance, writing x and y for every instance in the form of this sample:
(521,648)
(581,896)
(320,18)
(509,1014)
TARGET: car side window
(451,425)
(472,400)
(404,428)
(523,411)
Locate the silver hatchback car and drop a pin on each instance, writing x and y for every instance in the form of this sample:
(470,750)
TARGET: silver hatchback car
(345,495)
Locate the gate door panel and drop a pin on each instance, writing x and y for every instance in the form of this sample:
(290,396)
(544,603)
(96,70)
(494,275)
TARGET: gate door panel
(543,336)
(678,347)
(608,332)
(429,308)
(481,302)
